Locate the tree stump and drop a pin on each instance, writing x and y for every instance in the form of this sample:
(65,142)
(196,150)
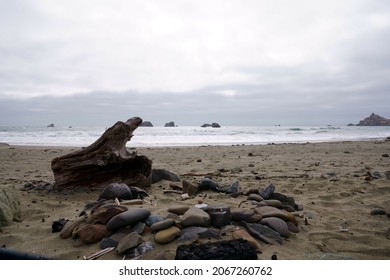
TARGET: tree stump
(105,161)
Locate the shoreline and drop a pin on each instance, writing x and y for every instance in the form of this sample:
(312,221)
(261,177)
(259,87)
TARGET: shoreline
(329,179)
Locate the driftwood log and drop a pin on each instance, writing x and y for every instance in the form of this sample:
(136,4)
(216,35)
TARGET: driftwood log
(105,161)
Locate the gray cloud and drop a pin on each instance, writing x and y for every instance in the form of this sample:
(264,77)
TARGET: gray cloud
(262,63)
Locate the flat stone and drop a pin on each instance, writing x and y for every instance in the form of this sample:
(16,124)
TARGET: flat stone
(278,225)
(195,217)
(269,211)
(128,217)
(140,250)
(161,225)
(263,233)
(246,215)
(255,197)
(292,227)
(178,209)
(130,241)
(273,203)
(167,235)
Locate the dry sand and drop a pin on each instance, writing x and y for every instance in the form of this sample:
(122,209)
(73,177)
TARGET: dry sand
(329,179)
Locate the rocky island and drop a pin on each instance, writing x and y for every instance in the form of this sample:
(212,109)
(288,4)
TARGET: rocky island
(374,120)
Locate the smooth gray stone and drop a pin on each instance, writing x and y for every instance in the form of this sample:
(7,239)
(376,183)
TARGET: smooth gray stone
(128,217)
(278,225)
(162,225)
(263,233)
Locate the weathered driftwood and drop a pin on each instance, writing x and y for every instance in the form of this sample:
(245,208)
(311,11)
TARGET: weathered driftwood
(105,161)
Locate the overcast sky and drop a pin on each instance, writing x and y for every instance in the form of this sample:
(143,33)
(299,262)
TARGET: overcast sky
(260,62)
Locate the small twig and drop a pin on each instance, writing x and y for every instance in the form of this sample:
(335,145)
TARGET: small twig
(173,191)
(343,229)
(99,253)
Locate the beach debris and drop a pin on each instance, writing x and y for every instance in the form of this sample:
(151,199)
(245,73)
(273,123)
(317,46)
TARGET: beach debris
(98,254)
(220,215)
(105,161)
(235,249)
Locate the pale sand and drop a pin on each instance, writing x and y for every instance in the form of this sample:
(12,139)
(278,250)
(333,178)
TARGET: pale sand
(330,202)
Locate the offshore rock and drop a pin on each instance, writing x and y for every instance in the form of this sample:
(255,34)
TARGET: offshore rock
(236,249)
(374,120)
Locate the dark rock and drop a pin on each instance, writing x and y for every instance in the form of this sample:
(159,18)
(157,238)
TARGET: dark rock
(116,190)
(374,120)
(58,225)
(236,249)
(263,233)
(268,191)
(170,124)
(161,174)
(146,124)
(220,216)
(50,125)
(107,243)
(214,125)
(374,174)
(285,200)
(378,211)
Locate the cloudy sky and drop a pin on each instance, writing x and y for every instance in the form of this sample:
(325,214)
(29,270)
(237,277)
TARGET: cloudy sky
(260,62)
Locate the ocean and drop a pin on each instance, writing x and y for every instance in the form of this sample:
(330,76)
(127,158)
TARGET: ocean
(193,135)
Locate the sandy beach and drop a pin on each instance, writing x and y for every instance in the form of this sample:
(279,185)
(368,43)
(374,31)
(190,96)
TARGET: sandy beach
(332,181)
